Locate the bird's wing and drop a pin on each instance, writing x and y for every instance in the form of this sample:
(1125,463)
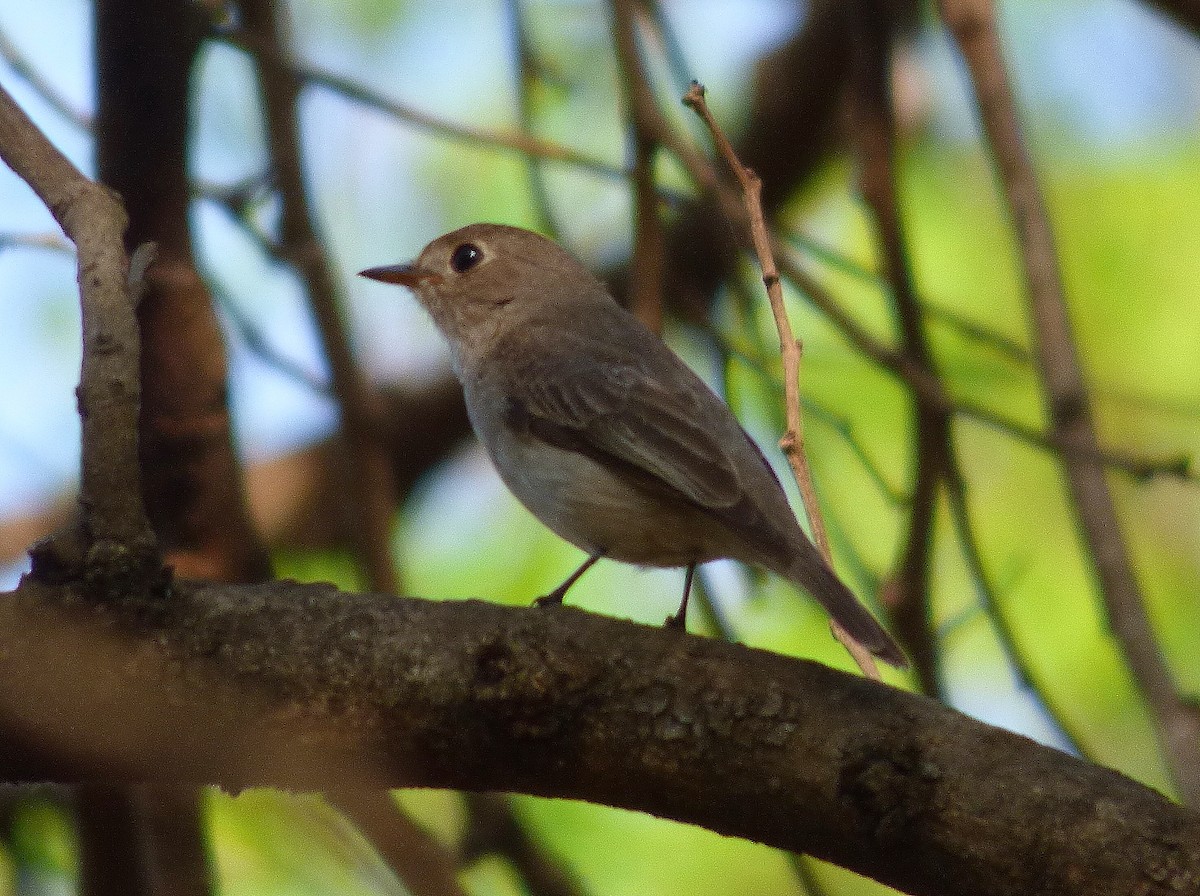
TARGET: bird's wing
(646,413)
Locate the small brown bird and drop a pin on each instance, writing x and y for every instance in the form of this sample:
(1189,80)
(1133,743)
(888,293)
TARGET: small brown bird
(602,431)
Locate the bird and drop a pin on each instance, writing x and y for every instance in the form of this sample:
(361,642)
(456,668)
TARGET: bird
(605,434)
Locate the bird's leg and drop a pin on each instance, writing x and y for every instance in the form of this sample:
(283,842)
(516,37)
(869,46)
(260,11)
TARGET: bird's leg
(679,620)
(556,596)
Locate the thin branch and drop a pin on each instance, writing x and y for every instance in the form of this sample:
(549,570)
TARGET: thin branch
(646,276)
(528,77)
(792,442)
(932,392)
(277,684)
(424,865)
(873,129)
(1003,345)
(494,829)
(50,242)
(53,97)
(114,518)
(113,853)
(370,490)
(790,125)
(523,144)
(1010,643)
(681,72)
(258,343)
(973,25)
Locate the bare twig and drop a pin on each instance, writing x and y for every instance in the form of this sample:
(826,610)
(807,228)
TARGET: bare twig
(528,78)
(792,442)
(259,344)
(494,829)
(523,144)
(873,128)
(424,865)
(681,72)
(932,391)
(803,868)
(935,459)
(789,127)
(1027,676)
(50,242)
(645,291)
(53,97)
(973,25)
(370,489)
(1005,346)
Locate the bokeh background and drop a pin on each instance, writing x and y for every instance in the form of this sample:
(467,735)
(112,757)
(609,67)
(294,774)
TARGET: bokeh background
(1110,97)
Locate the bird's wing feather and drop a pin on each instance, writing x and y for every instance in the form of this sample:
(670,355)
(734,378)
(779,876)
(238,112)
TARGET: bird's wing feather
(638,416)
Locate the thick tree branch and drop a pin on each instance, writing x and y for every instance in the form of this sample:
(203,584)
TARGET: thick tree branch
(306,687)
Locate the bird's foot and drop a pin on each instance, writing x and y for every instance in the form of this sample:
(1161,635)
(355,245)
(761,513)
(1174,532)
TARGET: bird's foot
(553,599)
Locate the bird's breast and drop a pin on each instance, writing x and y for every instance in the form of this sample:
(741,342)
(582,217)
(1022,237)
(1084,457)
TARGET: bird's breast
(582,500)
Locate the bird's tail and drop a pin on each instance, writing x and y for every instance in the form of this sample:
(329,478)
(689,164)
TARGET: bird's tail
(810,572)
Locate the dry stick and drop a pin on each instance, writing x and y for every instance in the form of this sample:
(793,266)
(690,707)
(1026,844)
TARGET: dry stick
(646,277)
(370,490)
(792,442)
(116,526)
(973,25)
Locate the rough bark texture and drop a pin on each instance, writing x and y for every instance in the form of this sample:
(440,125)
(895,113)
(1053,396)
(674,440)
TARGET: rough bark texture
(307,687)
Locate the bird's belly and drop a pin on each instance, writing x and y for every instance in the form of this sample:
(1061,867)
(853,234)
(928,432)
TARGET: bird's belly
(597,510)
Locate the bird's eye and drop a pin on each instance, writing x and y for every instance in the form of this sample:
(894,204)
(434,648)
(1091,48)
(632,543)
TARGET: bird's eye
(465,257)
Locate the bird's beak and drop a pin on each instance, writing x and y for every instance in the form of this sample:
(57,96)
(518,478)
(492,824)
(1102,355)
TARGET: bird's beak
(404,274)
